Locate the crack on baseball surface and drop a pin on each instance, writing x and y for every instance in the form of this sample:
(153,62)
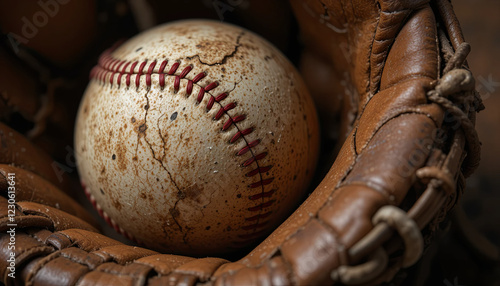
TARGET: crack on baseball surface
(184,239)
(173,211)
(226,57)
(153,151)
(235,84)
(161,136)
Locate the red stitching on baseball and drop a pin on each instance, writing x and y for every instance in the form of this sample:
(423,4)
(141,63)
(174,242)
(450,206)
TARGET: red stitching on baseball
(161,78)
(132,68)
(185,71)
(262,195)
(261,183)
(189,87)
(224,110)
(107,65)
(201,94)
(254,159)
(258,216)
(115,61)
(239,134)
(210,103)
(255,225)
(199,77)
(258,170)
(261,206)
(177,83)
(150,71)
(252,235)
(174,68)
(119,65)
(247,148)
(211,86)
(111,78)
(221,96)
(138,77)
(122,72)
(219,113)
(233,120)
(162,66)
(105,216)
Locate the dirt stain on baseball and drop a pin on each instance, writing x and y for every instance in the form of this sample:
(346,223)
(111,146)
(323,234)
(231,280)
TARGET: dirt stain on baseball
(116,204)
(174,212)
(193,192)
(120,155)
(142,128)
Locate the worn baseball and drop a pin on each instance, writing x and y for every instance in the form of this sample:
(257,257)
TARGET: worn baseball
(196,137)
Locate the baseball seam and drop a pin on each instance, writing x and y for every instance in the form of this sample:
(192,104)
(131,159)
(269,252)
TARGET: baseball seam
(115,69)
(105,216)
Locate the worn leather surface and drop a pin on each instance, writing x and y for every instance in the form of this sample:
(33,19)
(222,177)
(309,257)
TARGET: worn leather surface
(388,55)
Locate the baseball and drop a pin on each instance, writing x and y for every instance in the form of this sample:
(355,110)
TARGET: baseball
(196,137)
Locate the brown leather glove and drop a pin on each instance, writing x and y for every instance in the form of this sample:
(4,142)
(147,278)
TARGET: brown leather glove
(407,102)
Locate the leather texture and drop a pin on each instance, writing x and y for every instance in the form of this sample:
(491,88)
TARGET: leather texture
(409,143)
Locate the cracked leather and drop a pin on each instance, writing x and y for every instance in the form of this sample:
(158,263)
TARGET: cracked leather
(388,53)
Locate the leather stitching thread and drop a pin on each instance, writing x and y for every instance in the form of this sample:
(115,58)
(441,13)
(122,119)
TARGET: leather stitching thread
(117,69)
(105,216)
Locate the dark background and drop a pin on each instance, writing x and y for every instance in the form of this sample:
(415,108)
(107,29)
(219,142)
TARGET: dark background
(481,26)
(67,47)
(480,21)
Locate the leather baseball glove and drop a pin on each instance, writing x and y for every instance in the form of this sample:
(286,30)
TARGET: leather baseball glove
(393,73)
